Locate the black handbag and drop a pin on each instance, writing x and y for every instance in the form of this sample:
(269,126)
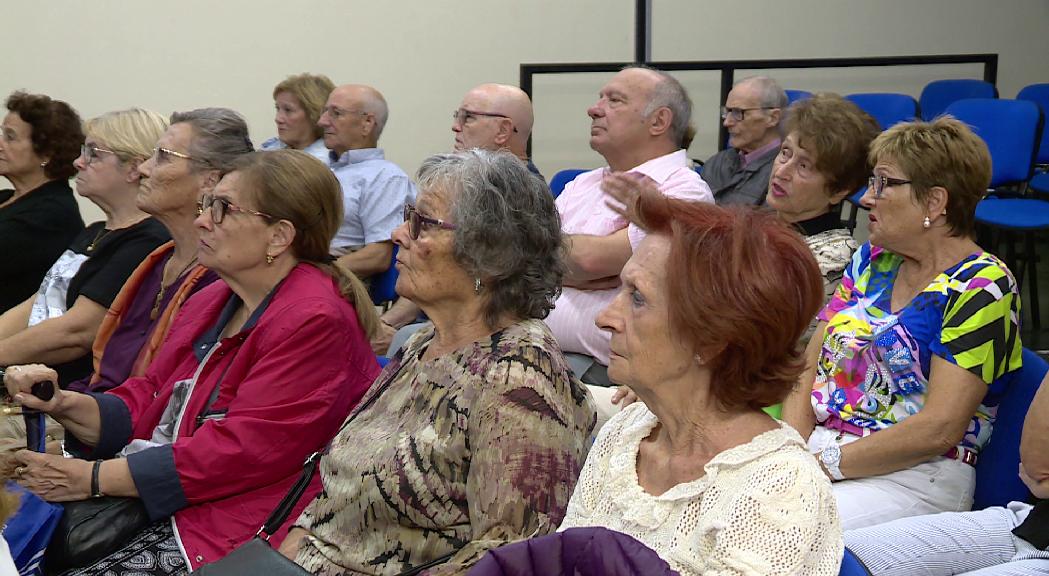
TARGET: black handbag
(93,529)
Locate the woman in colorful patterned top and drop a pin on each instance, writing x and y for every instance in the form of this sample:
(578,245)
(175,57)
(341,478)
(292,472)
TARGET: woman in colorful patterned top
(474,434)
(923,322)
(822,160)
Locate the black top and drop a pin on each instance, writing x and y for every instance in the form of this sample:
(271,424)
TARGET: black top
(1035,529)
(114,257)
(826,221)
(34,231)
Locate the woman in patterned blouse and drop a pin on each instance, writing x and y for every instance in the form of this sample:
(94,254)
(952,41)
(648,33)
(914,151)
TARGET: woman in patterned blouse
(923,321)
(822,160)
(705,331)
(475,433)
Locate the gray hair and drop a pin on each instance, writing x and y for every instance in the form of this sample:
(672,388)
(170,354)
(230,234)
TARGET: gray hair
(220,136)
(669,93)
(508,232)
(772,94)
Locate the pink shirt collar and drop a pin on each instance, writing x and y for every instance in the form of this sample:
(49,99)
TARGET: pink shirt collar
(754,155)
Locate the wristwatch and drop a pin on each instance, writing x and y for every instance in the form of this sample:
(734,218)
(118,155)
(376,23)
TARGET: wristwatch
(831,459)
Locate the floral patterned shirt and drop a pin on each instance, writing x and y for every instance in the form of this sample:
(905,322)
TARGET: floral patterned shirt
(458,454)
(874,366)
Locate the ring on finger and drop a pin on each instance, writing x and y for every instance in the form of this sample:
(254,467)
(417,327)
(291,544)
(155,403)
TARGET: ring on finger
(19,471)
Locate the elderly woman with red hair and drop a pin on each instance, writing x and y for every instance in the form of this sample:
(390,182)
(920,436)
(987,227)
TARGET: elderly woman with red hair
(704,331)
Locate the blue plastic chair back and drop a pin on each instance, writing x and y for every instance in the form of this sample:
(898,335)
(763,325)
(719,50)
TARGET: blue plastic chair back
(939,94)
(997,480)
(1039,94)
(888,109)
(852,566)
(795,95)
(562,178)
(1011,129)
(383,285)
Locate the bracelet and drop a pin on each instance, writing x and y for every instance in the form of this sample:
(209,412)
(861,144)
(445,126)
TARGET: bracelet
(96,490)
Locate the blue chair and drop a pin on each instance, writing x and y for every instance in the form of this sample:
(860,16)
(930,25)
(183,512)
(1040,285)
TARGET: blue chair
(795,95)
(851,565)
(997,481)
(383,284)
(888,109)
(1039,94)
(562,178)
(939,94)
(1012,130)
(383,361)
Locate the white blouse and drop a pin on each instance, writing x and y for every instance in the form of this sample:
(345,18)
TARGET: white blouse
(762,508)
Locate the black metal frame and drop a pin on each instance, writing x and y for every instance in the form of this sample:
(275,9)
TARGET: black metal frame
(643,51)
(728,67)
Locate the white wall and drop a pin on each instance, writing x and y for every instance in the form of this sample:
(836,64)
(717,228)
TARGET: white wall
(108,54)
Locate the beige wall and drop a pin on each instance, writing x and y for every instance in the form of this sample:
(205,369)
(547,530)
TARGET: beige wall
(108,54)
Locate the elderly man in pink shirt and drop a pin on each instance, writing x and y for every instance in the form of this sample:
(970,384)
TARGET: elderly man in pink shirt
(638,123)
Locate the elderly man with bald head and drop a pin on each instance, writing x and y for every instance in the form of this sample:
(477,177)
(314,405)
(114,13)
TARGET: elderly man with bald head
(374,190)
(752,115)
(638,123)
(495,117)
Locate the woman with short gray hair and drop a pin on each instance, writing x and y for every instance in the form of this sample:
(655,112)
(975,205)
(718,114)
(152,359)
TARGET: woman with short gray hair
(475,433)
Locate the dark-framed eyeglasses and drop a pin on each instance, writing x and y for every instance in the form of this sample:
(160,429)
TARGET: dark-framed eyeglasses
(738,114)
(164,155)
(462,116)
(877,184)
(220,207)
(91,153)
(416,221)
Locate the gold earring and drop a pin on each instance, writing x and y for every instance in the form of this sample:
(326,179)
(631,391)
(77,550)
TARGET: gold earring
(477,285)
(269,259)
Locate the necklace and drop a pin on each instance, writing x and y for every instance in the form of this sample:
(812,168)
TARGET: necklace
(101,234)
(160,295)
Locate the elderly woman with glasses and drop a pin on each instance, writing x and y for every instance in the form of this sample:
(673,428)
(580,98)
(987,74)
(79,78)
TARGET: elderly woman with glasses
(923,321)
(275,354)
(475,432)
(821,161)
(39,218)
(58,324)
(299,100)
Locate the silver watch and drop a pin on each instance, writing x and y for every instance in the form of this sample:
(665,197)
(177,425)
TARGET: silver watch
(831,459)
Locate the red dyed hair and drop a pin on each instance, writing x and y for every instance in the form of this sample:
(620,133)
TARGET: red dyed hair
(742,287)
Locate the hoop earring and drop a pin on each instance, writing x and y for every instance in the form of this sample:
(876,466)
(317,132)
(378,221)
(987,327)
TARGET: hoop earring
(477,285)
(926,223)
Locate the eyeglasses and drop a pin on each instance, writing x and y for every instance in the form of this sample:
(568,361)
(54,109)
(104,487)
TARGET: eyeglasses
(220,207)
(416,221)
(463,116)
(337,113)
(92,153)
(163,155)
(738,114)
(877,184)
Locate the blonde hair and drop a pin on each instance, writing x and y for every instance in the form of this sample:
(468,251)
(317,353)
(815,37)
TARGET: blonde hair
(294,186)
(131,133)
(946,153)
(311,90)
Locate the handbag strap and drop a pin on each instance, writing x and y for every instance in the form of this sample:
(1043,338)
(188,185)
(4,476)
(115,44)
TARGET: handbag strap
(283,510)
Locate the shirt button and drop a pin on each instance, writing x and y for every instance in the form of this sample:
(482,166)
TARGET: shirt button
(200,558)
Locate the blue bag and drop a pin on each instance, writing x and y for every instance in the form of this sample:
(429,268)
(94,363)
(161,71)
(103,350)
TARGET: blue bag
(29,530)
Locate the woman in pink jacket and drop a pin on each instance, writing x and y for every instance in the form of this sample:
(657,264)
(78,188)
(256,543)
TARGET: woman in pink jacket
(258,372)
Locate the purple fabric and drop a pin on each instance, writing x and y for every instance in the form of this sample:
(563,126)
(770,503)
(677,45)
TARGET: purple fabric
(590,551)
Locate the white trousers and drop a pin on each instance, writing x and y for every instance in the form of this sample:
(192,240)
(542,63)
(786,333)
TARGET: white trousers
(974,543)
(940,485)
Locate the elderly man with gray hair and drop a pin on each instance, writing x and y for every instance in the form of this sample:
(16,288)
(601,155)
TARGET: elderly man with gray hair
(374,190)
(638,123)
(752,115)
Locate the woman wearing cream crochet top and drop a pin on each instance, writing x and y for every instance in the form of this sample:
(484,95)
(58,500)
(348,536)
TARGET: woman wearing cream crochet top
(703,331)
